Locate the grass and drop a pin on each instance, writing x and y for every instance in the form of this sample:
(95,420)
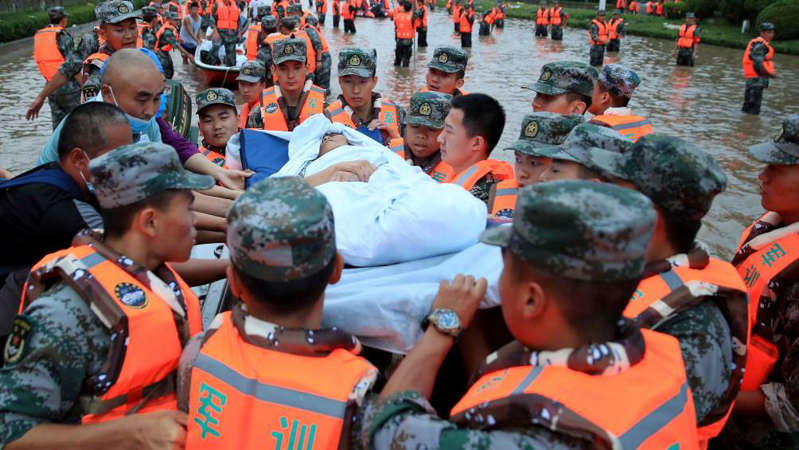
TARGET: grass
(24,24)
(722,34)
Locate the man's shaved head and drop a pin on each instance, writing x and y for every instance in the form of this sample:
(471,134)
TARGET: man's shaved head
(132,81)
(128,64)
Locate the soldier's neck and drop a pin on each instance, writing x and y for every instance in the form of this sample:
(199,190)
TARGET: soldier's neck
(308,319)
(135,248)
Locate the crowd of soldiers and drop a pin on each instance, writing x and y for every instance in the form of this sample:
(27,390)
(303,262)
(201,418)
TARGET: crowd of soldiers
(617,328)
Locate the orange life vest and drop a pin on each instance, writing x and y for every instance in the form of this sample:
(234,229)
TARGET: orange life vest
(504,200)
(272,112)
(466,20)
(469,177)
(423,23)
(602,33)
(45,51)
(175,6)
(648,298)
(542,16)
(621,4)
(635,6)
(245,395)
(500,14)
(456,13)
(214,157)
(388,114)
(687,37)
(321,6)
(613,28)
(630,126)
(245,113)
(252,41)
(160,32)
(227,16)
(554,16)
(142,325)
(757,271)
(336,8)
(403,21)
(346,13)
(95,59)
(749,65)
(646,406)
(659,9)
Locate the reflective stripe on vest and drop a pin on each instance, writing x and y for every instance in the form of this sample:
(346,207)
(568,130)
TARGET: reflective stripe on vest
(227,16)
(542,16)
(142,325)
(602,33)
(252,41)
(554,16)
(757,271)
(647,406)
(630,126)
(45,51)
(273,116)
(749,65)
(403,22)
(244,395)
(504,200)
(687,36)
(650,306)
(160,32)
(214,157)
(442,172)
(499,169)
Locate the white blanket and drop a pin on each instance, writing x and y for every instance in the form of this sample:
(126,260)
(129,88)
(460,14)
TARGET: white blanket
(400,214)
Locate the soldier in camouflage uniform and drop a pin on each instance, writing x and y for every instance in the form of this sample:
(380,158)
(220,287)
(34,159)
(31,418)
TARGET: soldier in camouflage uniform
(229,38)
(446,71)
(325,61)
(66,97)
(60,342)
(564,87)
(268,26)
(166,42)
(586,143)
(598,42)
(578,235)
(424,122)
(218,121)
(766,416)
(293,252)
(150,16)
(759,55)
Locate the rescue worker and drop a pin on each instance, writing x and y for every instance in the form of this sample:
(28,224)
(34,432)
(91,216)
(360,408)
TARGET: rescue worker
(446,71)
(251,41)
(166,39)
(457,9)
(558,18)
(53,51)
(539,130)
(499,18)
(621,5)
(635,7)
(758,67)
(288,28)
(225,16)
(562,301)
(424,122)
(292,99)
(276,333)
(615,31)
(321,11)
(612,93)
(486,22)
(420,23)
(252,81)
(322,48)
(149,24)
(118,24)
(92,309)
(348,9)
(598,38)
(687,41)
(466,23)
(541,20)
(403,34)
(472,129)
(90,42)
(359,106)
(765,414)
(575,158)
(218,120)
(564,87)
(336,12)
(268,28)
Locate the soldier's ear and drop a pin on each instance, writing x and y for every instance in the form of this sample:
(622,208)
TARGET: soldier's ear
(337,270)
(234,281)
(459,83)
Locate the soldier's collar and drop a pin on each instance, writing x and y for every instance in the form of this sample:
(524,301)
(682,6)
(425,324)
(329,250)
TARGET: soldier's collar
(607,358)
(214,148)
(697,258)
(297,341)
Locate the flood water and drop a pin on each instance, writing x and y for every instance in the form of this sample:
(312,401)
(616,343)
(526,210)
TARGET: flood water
(700,103)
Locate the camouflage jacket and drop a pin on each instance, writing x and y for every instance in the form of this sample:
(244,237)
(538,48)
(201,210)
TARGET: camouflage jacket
(72,59)
(148,38)
(482,189)
(89,43)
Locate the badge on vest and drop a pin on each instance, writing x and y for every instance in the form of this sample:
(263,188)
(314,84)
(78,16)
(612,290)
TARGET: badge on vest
(130,295)
(272,107)
(16,344)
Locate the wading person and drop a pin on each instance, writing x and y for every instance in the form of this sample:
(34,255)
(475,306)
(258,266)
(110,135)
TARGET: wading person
(403,34)
(615,31)
(758,68)
(557,20)
(598,38)
(687,41)
(225,14)
(541,20)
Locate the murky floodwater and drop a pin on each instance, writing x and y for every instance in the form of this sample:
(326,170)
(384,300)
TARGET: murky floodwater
(700,103)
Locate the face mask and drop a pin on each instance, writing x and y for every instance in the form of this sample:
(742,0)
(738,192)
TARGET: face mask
(89,186)
(138,126)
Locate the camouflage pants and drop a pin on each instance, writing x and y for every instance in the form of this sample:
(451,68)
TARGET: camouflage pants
(753,95)
(614,45)
(685,57)
(63,101)
(229,39)
(166,62)
(597,55)
(556,32)
(540,31)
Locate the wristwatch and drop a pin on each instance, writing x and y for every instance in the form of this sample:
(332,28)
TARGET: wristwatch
(446,321)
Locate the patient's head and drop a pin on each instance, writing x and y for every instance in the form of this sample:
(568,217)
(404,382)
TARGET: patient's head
(332,141)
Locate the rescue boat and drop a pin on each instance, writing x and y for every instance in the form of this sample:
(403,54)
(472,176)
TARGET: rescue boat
(220,75)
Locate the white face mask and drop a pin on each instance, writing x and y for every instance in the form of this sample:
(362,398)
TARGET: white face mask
(89,186)
(137,125)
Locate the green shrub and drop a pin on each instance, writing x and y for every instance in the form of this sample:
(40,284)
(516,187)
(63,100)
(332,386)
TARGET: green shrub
(732,10)
(702,8)
(752,8)
(674,10)
(783,14)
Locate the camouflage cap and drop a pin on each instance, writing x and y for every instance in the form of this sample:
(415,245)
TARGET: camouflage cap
(135,172)
(295,8)
(252,71)
(619,80)
(269,22)
(281,229)
(448,59)
(429,109)
(148,12)
(784,149)
(291,49)
(360,62)
(171,15)
(56,13)
(289,21)
(115,11)
(543,129)
(679,178)
(565,76)
(311,20)
(579,230)
(215,96)
(595,147)
(766,26)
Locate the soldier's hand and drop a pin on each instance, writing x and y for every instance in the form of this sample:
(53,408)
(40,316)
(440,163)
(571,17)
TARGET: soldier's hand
(392,131)
(33,110)
(463,295)
(159,430)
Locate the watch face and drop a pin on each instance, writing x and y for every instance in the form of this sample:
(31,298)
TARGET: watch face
(448,320)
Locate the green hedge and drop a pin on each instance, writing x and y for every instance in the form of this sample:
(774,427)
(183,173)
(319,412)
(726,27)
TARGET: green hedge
(784,14)
(20,25)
